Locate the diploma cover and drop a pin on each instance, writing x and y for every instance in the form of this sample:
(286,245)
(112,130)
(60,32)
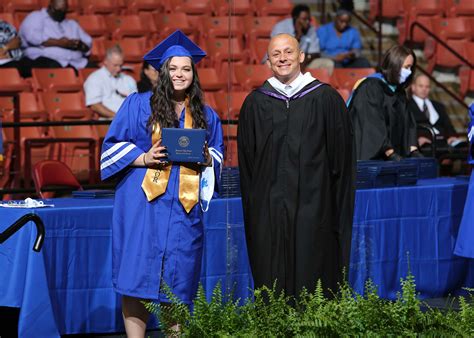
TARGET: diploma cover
(184,145)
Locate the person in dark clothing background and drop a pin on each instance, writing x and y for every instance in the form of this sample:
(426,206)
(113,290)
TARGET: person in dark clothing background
(297,170)
(384,128)
(148,78)
(431,113)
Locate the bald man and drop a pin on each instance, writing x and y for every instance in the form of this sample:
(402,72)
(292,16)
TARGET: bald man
(50,40)
(297,169)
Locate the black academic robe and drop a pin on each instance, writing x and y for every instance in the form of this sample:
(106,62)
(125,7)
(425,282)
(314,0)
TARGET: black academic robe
(443,124)
(297,179)
(381,120)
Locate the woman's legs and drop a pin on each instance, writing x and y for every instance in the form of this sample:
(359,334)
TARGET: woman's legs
(135,317)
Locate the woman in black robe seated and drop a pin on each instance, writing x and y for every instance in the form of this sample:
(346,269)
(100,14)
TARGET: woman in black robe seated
(384,128)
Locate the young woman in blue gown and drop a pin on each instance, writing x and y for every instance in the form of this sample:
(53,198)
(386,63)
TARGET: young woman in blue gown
(157,218)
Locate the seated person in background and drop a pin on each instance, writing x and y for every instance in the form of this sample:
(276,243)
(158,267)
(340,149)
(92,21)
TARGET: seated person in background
(148,78)
(107,87)
(299,26)
(10,52)
(50,40)
(384,128)
(432,113)
(341,42)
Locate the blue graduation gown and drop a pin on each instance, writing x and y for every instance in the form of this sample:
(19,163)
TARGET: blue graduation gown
(465,243)
(152,241)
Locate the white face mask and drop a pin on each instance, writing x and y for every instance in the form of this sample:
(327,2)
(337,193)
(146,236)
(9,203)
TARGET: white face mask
(404,74)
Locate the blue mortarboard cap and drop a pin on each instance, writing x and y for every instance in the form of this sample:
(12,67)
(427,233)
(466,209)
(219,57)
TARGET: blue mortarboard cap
(177,44)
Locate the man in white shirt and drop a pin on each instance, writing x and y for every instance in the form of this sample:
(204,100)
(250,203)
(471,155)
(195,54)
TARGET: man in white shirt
(107,87)
(430,112)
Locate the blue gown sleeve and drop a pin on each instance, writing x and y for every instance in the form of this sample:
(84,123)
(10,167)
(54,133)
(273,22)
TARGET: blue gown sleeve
(119,149)
(215,142)
(470,134)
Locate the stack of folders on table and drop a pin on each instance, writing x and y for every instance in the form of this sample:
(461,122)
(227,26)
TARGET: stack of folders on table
(407,173)
(229,185)
(427,166)
(384,174)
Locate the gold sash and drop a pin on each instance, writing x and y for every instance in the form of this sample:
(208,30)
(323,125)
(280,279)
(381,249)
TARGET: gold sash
(156,179)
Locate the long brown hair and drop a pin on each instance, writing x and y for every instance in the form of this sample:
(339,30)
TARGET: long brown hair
(392,63)
(162,108)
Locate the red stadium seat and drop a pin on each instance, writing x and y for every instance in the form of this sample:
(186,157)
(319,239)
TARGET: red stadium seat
(31,107)
(210,79)
(466,74)
(10,6)
(126,25)
(322,74)
(280,8)
(133,48)
(93,24)
(419,36)
(439,56)
(75,155)
(210,100)
(228,105)
(56,79)
(193,7)
(459,7)
(11,81)
(100,6)
(85,72)
(423,7)
(51,173)
(258,50)
(136,6)
(453,28)
(251,76)
(66,106)
(256,28)
(222,27)
(235,7)
(222,50)
(390,10)
(347,77)
(168,23)
(98,49)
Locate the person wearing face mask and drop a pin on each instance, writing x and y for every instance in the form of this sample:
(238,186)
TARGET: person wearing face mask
(384,127)
(50,40)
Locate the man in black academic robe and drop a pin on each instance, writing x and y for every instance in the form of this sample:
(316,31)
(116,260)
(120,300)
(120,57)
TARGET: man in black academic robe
(297,170)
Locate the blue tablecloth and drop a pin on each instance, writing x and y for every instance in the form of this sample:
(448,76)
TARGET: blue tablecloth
(66,288)
(397,229)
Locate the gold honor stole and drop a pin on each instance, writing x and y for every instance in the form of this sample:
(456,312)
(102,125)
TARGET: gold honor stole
(156,179)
